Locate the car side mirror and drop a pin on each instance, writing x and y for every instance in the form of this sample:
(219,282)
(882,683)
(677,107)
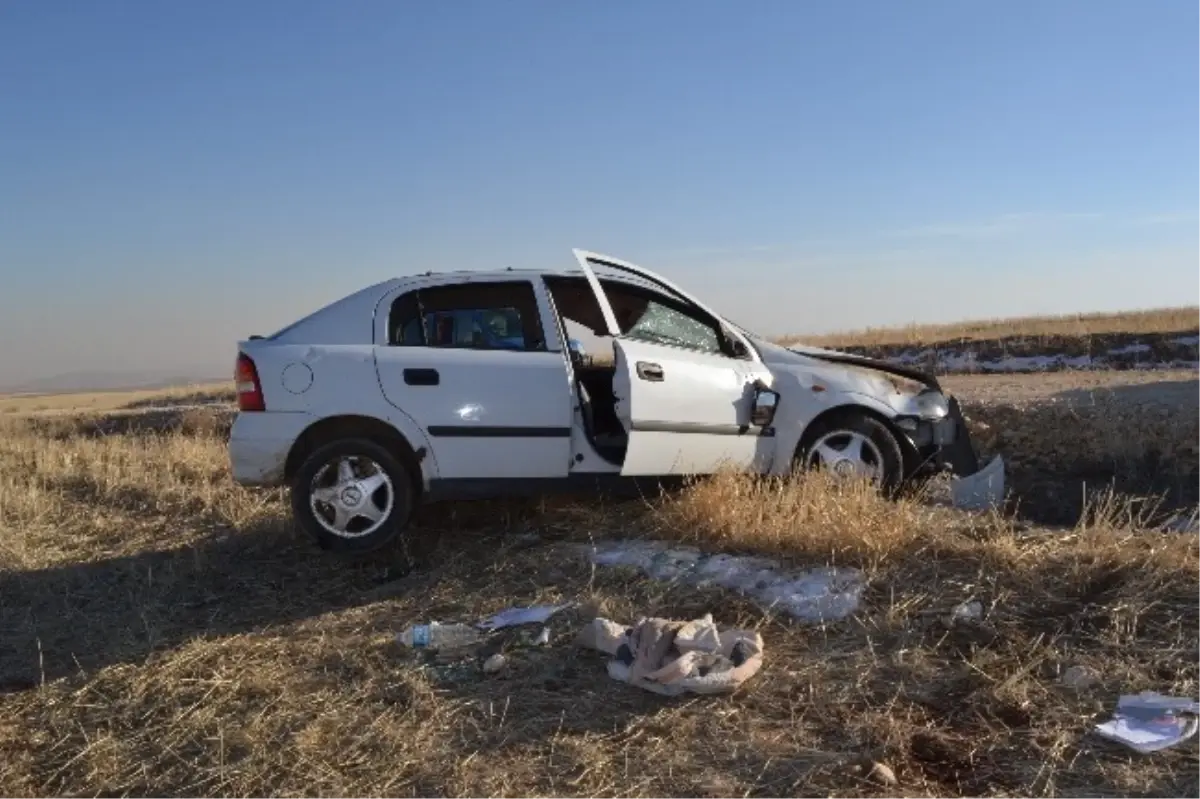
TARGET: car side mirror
(766,402)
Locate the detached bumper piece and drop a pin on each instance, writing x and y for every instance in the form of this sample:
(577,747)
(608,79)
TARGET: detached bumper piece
(982,490)
(947,445)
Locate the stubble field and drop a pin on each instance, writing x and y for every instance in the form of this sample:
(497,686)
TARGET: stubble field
(167,632)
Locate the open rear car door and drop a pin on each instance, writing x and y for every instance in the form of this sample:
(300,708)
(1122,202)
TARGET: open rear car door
(692,394)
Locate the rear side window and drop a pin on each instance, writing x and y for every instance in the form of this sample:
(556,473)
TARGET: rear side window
(488,316)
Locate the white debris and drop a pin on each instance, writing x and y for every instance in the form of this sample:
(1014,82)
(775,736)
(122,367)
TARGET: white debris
(514,617)
(1148,722)
(439,637)
(982,490)
(673,657)
(814,595)
(883,774)
(967,611)
(494,663)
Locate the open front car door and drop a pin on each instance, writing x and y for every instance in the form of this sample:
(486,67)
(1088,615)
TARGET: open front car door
(692,394)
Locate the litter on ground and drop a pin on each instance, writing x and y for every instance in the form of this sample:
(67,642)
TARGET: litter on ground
(438,637)
(535,614)
(967,611)
(814,595)
(1148,722)
(676,657)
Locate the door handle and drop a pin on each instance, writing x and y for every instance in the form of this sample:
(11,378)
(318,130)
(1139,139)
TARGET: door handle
(649,371)
(422,377)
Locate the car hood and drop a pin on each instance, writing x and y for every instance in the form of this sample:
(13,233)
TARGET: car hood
(849,372)
(862,362)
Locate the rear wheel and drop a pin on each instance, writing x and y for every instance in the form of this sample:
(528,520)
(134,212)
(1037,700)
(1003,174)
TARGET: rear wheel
(854,445)
(352,495)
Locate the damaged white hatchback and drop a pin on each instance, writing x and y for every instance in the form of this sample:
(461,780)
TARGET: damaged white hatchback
(476,384)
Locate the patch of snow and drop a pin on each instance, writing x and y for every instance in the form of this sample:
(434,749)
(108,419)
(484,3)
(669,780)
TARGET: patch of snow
(954,362)
(1130,349)
(1186,341)
(1080,362)
(813,595)
(909,357)
(957,362)
(1023,363)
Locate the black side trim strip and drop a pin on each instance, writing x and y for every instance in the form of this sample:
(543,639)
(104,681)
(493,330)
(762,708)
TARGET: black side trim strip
(691,427)
(491,487)
(481,431)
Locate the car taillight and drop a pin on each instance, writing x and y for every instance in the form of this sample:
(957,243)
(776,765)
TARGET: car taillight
(249,390)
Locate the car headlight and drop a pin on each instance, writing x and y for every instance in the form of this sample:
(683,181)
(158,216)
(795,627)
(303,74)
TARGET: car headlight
(931,404)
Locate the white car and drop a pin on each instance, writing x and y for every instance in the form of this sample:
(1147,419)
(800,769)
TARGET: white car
(465,384)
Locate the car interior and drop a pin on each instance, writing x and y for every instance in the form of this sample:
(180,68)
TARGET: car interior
(575,302)
(652,317)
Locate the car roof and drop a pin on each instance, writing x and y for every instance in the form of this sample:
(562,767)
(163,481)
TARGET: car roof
(487,275)
(510,270)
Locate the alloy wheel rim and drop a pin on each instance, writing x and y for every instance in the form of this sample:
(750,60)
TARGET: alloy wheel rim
(848,454)
(351,496)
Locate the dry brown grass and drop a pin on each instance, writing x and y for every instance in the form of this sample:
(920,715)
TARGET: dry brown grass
(165,632)
(1080,326)
(98,401)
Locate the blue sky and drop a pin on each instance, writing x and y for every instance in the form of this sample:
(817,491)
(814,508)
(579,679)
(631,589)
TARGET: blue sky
(178,175)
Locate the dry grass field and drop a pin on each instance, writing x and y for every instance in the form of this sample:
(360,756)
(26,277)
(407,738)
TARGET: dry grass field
(97,401)
(1136,340)
(1079,326)
(168,633)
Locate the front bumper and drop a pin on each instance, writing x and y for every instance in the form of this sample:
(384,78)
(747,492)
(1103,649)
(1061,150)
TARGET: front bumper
(944,445)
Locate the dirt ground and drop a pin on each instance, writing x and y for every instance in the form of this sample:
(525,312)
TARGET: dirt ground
(167,632)
(1176,388)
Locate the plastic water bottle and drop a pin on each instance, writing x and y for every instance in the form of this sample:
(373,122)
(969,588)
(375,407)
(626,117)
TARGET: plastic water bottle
(440,637)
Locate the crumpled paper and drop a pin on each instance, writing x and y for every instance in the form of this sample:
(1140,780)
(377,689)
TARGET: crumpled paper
(672,657)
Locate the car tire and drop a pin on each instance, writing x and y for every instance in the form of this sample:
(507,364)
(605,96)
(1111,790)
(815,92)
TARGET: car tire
(878,447)
(359,510)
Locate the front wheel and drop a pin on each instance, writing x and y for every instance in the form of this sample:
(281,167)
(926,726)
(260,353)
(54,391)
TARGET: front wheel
(352,495)
(854,445)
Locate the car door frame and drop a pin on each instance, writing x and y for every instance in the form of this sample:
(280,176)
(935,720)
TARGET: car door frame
(756,383)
